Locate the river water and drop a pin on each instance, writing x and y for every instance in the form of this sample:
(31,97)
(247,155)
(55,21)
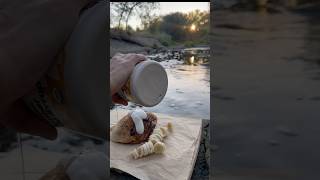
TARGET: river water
(267,95)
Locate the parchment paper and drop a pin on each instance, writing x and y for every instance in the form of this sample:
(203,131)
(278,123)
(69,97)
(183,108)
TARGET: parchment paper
(176,163)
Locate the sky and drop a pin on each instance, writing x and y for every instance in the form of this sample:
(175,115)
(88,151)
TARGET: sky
(169,7)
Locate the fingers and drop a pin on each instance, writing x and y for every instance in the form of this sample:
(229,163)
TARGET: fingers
(121,66)
(22,120)
(131,57)
(136,58)
(117,99)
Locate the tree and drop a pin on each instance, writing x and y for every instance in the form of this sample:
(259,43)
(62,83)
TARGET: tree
(125,10)
(199,18)
(118,10)
(153,25)
(175,24)
(147,15)
(131,7)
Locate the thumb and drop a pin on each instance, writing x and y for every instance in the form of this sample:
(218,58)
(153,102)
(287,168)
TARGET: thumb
(136,58)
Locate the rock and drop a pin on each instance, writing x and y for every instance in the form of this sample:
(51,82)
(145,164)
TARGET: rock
(201,169)
(121,42)
(119,46)
(206,138)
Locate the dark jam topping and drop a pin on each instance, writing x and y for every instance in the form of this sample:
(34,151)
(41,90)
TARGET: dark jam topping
(148,125)
(133,131)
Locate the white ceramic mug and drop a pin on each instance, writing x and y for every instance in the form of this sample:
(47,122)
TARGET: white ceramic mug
(147,84)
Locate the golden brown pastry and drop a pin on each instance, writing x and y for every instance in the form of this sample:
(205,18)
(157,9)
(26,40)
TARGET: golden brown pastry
(125,131)
(155,143)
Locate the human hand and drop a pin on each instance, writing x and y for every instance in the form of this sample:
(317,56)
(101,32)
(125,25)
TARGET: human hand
(32,34)
(121,66)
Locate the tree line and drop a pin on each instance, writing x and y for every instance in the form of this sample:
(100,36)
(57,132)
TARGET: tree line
(178,27)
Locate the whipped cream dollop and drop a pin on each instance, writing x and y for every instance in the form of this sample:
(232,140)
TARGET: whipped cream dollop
(137,116)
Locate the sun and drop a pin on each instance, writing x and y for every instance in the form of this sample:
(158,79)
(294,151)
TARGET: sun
(193,27)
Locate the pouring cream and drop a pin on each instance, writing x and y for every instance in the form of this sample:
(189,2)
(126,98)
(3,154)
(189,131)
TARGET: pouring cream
(137,116)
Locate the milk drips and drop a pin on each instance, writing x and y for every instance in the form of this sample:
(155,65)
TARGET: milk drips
(137,116)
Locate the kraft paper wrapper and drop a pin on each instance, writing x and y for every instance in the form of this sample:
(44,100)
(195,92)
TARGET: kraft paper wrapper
(176,163)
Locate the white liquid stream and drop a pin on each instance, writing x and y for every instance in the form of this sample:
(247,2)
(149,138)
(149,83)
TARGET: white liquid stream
(137,116)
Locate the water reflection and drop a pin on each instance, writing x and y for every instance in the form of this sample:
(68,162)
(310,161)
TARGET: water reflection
(191,60)
(311,52)
(275,105)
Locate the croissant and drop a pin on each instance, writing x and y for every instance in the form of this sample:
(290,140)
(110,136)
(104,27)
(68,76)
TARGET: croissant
(154,145)
(125,132)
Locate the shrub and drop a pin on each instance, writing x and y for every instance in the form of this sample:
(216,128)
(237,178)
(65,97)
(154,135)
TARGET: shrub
(189,44)
(164,39)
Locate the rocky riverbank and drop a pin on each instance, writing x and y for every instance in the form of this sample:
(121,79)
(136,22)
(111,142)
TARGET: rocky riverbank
(121,42)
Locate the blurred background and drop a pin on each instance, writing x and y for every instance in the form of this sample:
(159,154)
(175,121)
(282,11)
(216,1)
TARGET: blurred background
(266,89)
